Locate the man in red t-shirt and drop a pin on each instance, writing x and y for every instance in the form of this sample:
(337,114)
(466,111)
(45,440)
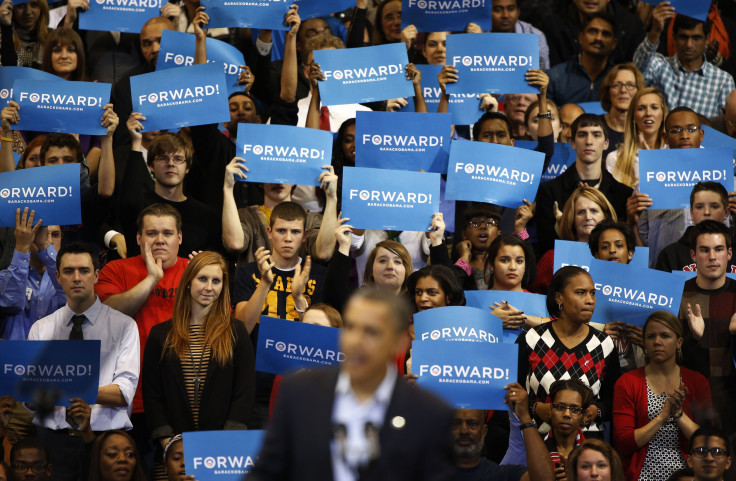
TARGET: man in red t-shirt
(144,286)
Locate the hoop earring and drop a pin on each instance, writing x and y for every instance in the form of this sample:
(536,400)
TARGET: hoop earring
(559,306)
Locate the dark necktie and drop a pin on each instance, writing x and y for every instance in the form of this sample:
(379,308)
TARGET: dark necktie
(76,334)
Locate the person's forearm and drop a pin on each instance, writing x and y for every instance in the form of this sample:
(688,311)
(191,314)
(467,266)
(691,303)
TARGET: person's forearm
(687,425)
(444,105)
(7,161)
(545,124)
(232,232)
(538,462)
(111,395)
(313,111)
(200,51)
(644,434)
(419,104)
(106,170)
(289,70)
(250,311)
(131,301)
(325,243)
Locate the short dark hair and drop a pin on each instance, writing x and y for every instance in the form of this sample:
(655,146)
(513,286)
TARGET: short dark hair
(288,211)
(159,210)
(588,120)
(710,431)
(490,116)
(480,211)
(169,143)
(605,16)
(708,226)
(622,227)
(530,263)
(586,394)
(446,279)
(398,307)
(710,186)
(29,443)
(678,110)
(559,281)
(77,248)
(683,22)
(56,139)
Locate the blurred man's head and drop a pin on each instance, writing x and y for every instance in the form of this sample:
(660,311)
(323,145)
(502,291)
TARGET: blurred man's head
(151,38)
(29,461)
(468,433)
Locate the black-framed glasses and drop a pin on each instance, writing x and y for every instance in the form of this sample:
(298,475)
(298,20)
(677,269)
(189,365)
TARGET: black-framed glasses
(703,452)
(690,129)
(36,467)
(178,159)
(562,407)
(484,222)
(619,86)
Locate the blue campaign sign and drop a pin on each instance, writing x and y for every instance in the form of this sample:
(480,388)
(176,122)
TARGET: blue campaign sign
(177,50)
(52,191)
(493,173)
(630,293)
(532,304)
(494,63)
(467,375)
(572,253)
(390,199)
(119,15)
(365,74)
(181,97)
(592,108)
(61,106)
(445,15)
(692,8)
(464,108)
(282,154)
(287,346)
(8,76)
(668,175)
(712,138)
(563,158)
(60,369)
(403,141)
(266,14)
(457,323)
(322,8)
(221,455)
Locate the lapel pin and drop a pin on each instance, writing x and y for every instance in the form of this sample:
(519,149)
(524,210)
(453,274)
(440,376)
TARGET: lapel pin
(398,422)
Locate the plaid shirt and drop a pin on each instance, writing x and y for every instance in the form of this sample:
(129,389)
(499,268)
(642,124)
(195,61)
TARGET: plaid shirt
(703,90)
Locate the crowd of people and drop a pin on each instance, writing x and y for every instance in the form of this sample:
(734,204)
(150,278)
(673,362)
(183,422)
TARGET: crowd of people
(177,257)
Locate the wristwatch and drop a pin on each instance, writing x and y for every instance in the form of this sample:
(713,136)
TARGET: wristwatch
(548,115)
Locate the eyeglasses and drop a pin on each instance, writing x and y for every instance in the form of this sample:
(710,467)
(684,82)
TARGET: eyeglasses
(628,86)
(36,467)
(484,222)
(703,452)
(177,159)
(561,407)
(690,129)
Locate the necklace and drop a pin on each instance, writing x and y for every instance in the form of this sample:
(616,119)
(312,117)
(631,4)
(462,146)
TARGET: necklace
(197,378)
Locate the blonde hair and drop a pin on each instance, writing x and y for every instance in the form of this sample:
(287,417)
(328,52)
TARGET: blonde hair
(623,171)
(604,91)
(567,222)
(218,323)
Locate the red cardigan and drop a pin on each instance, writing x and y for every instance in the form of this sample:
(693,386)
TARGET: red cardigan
(630,413)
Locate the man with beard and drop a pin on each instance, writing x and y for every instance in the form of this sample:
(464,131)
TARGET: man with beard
(469,430)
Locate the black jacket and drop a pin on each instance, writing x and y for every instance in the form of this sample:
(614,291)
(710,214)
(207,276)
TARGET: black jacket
(676,257)
(227,396)
(560,189)
(414,438)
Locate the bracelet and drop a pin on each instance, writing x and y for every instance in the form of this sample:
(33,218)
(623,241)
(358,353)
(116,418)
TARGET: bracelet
(530,424)
(300,311)
(7,139)
(599,414)
(534,409)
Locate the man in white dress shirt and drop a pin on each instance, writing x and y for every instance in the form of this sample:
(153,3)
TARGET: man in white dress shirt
(84,317)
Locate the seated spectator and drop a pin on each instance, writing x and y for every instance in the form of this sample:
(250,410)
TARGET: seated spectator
(515,107)
(590,139)
(30,287)
(469,430)
(616,92)
(114,457)
(644,130)
(207,349)
(570,399)
(594,460)
(579,78)
(174,466)
(244,230)
(686,79)
(63,54)
(654,445)
(585,209)
(708,200)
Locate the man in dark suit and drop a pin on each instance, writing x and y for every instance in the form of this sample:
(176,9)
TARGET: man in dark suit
(361,421)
